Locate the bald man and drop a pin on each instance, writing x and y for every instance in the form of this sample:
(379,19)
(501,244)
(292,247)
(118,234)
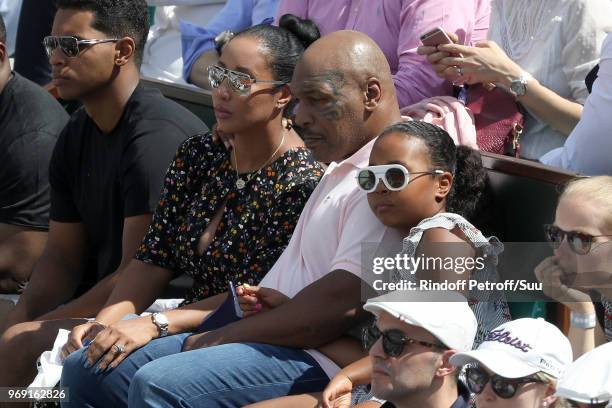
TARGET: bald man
(312,295)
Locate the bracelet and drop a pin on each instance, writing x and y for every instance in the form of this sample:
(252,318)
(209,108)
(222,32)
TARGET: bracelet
(583,321)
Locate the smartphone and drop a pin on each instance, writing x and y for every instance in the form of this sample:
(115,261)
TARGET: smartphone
(435,37)
(237,308)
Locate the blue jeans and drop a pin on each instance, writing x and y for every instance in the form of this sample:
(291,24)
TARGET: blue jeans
(159,375)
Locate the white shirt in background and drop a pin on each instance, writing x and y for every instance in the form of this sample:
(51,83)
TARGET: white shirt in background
(589,147)
(162,54)
(556,41)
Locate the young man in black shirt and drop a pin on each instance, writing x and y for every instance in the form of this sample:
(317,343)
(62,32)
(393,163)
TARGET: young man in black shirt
(106,172)
(30,122)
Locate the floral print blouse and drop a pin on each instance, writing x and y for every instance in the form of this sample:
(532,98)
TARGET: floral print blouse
(256,225)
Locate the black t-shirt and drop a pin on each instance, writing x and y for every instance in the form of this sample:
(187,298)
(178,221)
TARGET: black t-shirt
(30,123)
(100,179)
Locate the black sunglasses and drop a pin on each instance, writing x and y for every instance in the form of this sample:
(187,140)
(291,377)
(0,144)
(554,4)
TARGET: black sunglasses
(578,242)
(505,388)
(393,340)
(70,46)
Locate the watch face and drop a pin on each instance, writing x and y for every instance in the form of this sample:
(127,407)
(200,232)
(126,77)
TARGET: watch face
(161,319)
(518,87)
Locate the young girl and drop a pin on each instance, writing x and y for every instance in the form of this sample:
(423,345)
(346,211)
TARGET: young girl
(420,183)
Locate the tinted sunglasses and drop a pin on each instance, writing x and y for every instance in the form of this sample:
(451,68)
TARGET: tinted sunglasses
(70,46)
(239,81)
(394,176)
(477,380)
(393,340)
(578,242)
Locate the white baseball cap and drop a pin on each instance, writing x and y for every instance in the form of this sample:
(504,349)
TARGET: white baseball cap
(452,322)
(589,378)
(521,348)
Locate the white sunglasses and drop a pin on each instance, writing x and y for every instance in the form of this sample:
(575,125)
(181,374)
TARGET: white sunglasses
(394,176)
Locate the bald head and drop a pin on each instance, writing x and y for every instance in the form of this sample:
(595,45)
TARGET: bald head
(346,93)
(353,53)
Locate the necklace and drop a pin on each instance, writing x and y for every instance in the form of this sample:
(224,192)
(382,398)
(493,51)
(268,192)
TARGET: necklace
(240,182)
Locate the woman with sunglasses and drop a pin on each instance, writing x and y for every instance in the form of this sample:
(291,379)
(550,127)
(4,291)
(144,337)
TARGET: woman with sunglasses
(517,365)
(579,274)
(224,215)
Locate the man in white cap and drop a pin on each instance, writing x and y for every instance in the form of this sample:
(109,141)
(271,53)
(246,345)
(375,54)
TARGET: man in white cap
(517,364)
(414,342)
(588,381)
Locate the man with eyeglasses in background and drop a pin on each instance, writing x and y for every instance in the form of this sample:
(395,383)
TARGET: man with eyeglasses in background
(106,173)
(412,342)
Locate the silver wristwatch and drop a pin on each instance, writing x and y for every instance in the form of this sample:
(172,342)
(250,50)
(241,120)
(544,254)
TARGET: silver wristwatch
(519,86)
(161,321)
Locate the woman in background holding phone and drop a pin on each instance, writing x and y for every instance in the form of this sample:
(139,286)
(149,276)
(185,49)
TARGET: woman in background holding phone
(540,51)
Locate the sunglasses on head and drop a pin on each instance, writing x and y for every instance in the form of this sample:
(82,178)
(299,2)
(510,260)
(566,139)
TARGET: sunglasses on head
(239,81)
(393,340)
(394,176)
(70,46)
(578,242)
(477,380)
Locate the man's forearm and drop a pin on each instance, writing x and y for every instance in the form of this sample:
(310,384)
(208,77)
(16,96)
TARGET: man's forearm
(87,305)
(52,283)
(319,313)
(140,284)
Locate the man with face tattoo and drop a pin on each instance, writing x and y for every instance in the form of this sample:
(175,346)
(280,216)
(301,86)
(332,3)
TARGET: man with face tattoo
(312,295)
